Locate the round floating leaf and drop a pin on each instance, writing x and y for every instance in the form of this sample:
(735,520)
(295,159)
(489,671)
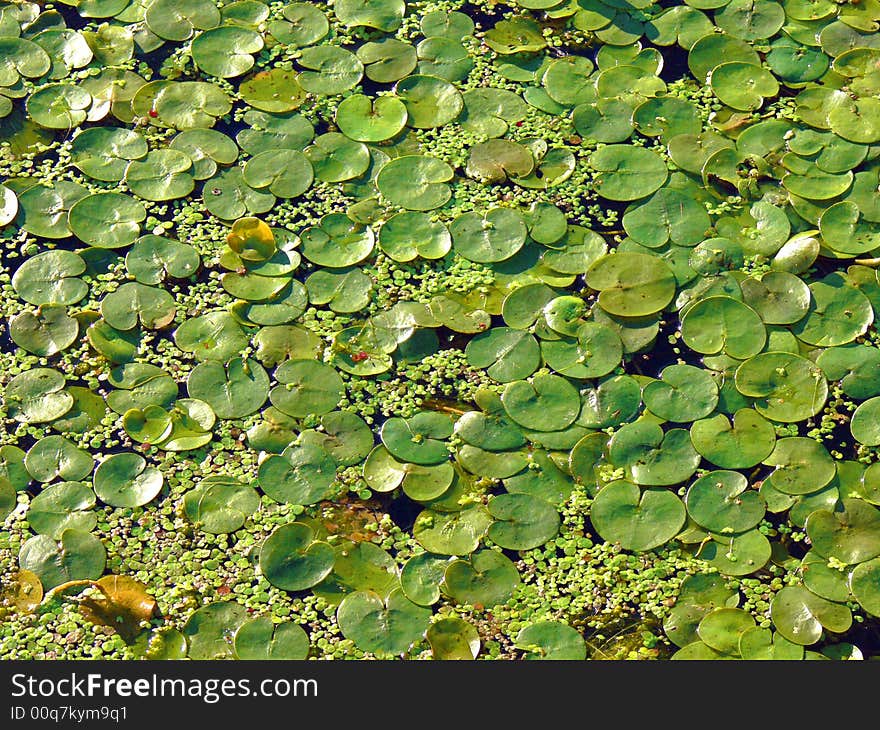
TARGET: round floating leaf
(60,507)
(59,106)
(391,626)
(409,235)
(451,533)
(838,313)
(415,182)
(45,332)
(336,158)
(51,277)
(719,502)
(235,391)
(492,236)
(631,284)
(865,580)
(152,259)
(800,616)
(293,560)
(778,297)
(176,21)
(668,215)
(507,354)
(125,480)
(76,555)
(56,456)
(548,403)
(229,197)
(107,220)
(865,422)
(37,396)
(260,639)
(212,336)
(330,70)
(430,101)
(522,522)
(850,534)
(276,90)
(307,25)
(371,120)
(191,104)
(209,630)
(103,153)
(721,628)
(151,425)
(418,440)
(723,324)
(627,173)
(300,475)
(453,638)
(788,387)
(551,640)
(43,211)
(226,51)
(161,175)
(741,445)
(387,60)
(8,501)
(306,387)
(652,457)
(337,242)
(220,505)
(802,465)
(742,86)
(497,160)
(487,579)
(684,394)
(138,385)
(384,15)
(134,303)
(637,520)
(421,576)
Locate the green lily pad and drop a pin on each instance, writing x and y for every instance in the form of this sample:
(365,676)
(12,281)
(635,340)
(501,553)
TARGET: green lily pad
(742,86)
(220,505)
(721,628)
(551,640)
(652,457)
(746,442)
(209,630)
(391,626)
(260,639)
(300,475)
(850,534)
(276,91)
(409,235)
(62,506)
(56,456)
(337,242)
(177,21)
(453,638)
(371,120)
(305,24)
(549,402)
(107,220)
(51,277)
(415,182)
(421,576)
(801,616)
(152,259)
(135,304)
(720,502)
(293,560)
(627,173)
(864,582)
(37,396)
(138,385)
(235,391)
(212,336)
(45,332)
(104,153)
(637,520)
(418,440)
(838,313)
(684,393)
(723,324)
(125,480)
(59,106)
(227,51)
(76,555)
(306,386)
(522,522)
(788,387)
(451,533)
(430,101)
(631,284)
(487,579)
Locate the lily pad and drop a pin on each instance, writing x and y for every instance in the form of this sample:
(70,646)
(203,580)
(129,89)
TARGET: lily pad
(125,480)
(293,560)
(637,520)
(76,555)
(391,626)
